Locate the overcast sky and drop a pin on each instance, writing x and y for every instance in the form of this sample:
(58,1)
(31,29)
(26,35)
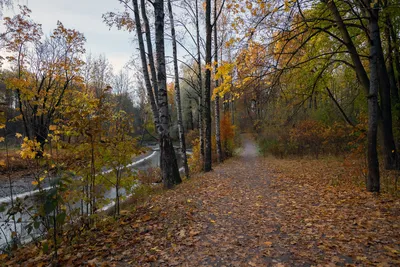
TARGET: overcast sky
(84,16)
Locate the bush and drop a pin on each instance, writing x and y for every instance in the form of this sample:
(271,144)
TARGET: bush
(308,137)
(191,136)
(195,160)
(229,136)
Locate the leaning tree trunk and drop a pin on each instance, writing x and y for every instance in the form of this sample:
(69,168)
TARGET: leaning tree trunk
(373,183)
(169,165)
(149,88)
(178,94)
(149,48)
(207,92)
(216,102)
(384,112)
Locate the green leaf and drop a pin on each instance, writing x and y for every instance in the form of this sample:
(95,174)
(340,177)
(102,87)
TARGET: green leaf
(36,224)
(45,247)
(61,218)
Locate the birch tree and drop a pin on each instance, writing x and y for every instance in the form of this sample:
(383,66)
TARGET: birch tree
(178,93)
(156,86)
(216,102)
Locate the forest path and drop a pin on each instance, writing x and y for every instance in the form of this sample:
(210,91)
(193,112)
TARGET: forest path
(249,211)
(228,217)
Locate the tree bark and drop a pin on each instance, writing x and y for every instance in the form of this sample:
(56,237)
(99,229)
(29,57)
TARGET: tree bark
(390,63)
(169,165)
(149,48)
(145,70)
(396,54)
(373,182)
(200,107)
(207,92)
(181,130)
(384,92)
(216,102)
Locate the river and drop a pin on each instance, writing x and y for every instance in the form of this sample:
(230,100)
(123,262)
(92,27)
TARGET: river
(23,188)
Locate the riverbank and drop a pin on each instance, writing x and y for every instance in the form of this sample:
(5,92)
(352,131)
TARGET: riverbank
(22,179)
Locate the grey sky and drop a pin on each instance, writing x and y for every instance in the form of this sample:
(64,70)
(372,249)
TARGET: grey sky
(84,16)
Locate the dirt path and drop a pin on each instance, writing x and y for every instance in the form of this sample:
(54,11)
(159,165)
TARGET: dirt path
(246,213)
(228,217)
(240,217)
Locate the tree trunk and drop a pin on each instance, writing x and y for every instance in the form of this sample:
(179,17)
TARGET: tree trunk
(200,76)
(392,78)
(149,48)
(217,109)
(355,57)
(207,92)
(178,94)
(396,58)
(145,70)
(386,105)
(384,113)
(169,165)
(191,124)
(373,183)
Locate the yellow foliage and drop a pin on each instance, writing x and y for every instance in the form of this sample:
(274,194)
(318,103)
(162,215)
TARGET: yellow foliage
(30,148)
(195,161)
(224,73)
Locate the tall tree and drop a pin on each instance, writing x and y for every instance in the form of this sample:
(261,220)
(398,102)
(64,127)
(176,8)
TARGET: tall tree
(373,184)
(158,80)
(45,72)
(200,81)
(384,110)
(216,102)
(169,165)
(178,93)
(207,91)
(145,71)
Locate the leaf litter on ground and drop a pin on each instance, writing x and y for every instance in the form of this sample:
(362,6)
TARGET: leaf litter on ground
(249,211)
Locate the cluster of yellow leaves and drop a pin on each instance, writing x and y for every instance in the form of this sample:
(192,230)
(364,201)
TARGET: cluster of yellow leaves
(29,149)
(224,73)
(37,182)
(195,161)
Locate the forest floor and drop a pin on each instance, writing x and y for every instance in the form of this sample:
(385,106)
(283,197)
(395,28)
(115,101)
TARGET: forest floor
(249,211)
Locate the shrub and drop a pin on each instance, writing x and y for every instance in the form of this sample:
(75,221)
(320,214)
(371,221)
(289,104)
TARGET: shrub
(191,136)
(195,160)
(228,136)
(307,137)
